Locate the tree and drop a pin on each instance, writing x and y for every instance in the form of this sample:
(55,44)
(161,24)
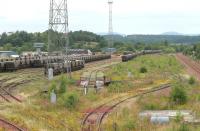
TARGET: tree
(7,47)
(3,39)
(178,95)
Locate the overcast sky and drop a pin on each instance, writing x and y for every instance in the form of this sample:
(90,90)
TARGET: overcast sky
(129,16)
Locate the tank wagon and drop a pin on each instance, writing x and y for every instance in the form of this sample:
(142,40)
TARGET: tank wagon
(128,57)
(8,64)
(63,67)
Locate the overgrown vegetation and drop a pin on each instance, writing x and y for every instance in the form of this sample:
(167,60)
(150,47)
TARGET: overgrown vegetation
(178,94)
(119,87)
(191,81)
(193,50)
(66,114)
(71,100)
(143,70)
(63,85)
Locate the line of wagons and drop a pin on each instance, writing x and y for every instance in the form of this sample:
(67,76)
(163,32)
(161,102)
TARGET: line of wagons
(130,56)
(55,62)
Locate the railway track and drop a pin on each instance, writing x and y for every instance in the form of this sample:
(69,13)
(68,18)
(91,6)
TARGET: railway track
(94,118)
(21,77)
(93,71)
(8,126)
(7,96)
(193,66)
(6,88)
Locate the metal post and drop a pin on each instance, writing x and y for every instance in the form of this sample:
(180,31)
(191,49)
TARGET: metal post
(110,27)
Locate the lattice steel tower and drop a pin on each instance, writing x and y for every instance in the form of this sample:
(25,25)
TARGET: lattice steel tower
(58,40)
(110,27)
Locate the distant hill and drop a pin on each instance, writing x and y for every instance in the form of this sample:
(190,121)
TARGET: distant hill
(114,33)
(171,33)
(184,39)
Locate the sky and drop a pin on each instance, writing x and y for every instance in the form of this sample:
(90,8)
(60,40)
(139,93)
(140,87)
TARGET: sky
(129,16)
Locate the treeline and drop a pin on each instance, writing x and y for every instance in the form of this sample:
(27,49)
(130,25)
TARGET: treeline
(23,41)
(133,47)
(150,39)
(86,40)
(192,50)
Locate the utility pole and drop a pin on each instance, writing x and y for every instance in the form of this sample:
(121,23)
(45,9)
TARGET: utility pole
(110,27)
(58,39)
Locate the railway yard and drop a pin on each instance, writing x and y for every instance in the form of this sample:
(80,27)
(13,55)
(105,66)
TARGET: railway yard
(144,82)
(142,74)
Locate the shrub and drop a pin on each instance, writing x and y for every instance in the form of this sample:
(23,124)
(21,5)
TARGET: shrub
(63,85)
(71,100)
(143,70)
(178,95)
(191,81)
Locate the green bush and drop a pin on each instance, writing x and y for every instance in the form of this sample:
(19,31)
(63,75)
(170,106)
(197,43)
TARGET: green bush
(63,85)
(71,100)
(192,81)
(143,70)
(178,95)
